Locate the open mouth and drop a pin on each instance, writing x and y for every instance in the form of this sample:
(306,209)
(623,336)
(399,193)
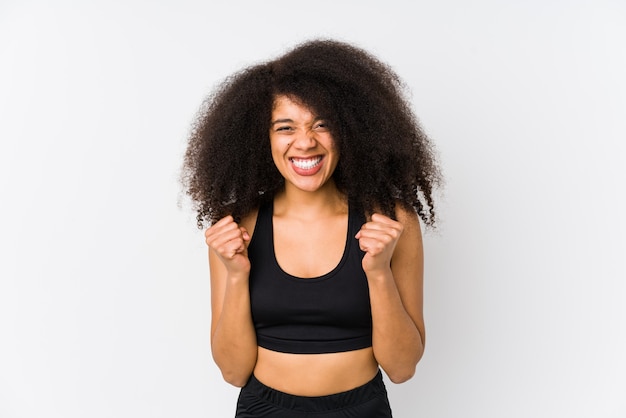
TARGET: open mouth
(306,163)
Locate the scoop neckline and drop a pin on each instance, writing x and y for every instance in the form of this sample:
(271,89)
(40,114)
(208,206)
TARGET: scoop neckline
(325,276)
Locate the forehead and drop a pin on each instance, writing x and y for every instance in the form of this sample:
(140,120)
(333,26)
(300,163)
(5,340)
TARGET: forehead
(290,106)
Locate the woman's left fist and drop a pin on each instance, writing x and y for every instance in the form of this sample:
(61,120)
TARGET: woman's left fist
(378,238)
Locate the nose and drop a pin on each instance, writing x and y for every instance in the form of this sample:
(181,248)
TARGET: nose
(305,139)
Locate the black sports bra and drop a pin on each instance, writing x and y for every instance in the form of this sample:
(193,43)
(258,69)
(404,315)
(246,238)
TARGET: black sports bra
(325,314)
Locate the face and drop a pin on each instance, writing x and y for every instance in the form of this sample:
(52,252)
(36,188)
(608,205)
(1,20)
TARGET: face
(302,147)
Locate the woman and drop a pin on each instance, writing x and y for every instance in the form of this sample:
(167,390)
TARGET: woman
(313,174)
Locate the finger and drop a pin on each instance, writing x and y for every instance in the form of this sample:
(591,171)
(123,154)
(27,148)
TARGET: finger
(224,238)
(225,220)
(375,235)
(375,232)
(217,226)
(375,226)
(375,241)
(371,246)
(370,226)
(379,219)
(221,227)
(230,248)
(220,237)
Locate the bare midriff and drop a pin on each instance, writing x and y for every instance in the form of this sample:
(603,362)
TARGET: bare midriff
(315,374)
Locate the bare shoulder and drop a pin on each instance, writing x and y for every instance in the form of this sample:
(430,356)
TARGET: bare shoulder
(410,222)
(407,260)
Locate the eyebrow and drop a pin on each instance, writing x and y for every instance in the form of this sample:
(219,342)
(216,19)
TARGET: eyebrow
(291,120)
(282,121)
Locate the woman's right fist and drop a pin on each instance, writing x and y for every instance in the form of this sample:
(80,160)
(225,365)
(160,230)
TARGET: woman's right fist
(230,242)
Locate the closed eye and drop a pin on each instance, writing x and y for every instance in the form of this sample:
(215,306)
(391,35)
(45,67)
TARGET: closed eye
(320,126)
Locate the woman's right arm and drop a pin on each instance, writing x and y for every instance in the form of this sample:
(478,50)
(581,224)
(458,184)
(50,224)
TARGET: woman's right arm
(233,338)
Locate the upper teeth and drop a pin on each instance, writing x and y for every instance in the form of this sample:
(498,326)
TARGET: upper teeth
(306,164)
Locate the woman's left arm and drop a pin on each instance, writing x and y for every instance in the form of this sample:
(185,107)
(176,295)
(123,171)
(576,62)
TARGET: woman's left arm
(394,265)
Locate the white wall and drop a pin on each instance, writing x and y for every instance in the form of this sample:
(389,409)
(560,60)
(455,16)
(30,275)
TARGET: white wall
(104,289)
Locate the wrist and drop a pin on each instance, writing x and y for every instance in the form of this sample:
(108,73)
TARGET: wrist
(379,275)
(238,277)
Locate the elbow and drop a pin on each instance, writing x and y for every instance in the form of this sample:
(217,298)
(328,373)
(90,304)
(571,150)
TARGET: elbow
(401,376)
(400,372)
(236,374)
(235,370)
(236,379)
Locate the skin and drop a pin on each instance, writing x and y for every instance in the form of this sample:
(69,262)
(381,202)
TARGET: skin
(310,217)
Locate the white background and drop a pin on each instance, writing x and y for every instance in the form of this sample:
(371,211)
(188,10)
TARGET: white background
(104,290)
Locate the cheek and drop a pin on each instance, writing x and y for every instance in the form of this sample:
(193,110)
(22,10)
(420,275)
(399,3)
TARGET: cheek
(334,147)
(277,148)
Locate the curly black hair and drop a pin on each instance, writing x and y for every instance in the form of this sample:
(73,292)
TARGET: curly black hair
(385,157)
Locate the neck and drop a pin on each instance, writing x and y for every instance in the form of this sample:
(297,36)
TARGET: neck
(293,201)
